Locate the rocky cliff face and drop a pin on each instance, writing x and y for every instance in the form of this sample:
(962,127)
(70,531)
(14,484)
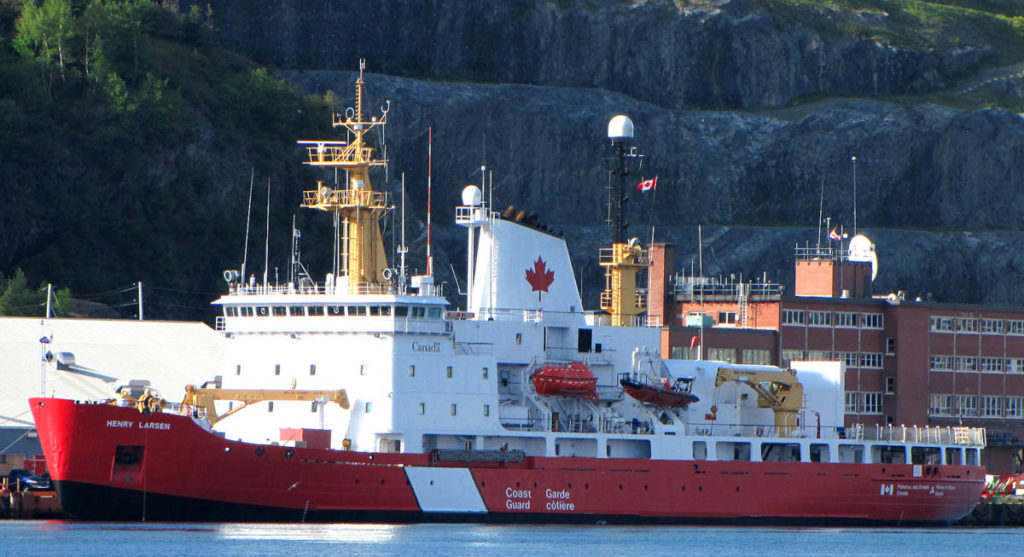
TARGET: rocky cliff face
(712,54)
(526,88)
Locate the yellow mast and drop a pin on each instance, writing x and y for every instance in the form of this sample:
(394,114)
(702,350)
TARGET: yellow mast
(356,207)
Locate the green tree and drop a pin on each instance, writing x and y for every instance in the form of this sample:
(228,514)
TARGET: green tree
(44,32)
(17,298)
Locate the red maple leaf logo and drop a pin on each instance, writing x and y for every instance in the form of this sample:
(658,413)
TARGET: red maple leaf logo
(539,277)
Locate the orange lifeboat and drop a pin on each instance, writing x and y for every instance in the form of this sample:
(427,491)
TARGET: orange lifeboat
(573,379)
(676,395)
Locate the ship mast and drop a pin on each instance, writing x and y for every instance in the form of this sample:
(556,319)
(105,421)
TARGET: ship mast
(357,208)
(624,261)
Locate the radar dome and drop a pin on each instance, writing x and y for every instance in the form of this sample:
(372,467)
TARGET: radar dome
(863,249)
(471,195)
(620,127)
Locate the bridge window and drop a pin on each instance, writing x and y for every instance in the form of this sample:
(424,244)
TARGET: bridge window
(434,313)
(357,310)
(263,311)
(315,310)
(336,311)
(299,311)
(247,311)
(280,311)
(401,311)
(418,311)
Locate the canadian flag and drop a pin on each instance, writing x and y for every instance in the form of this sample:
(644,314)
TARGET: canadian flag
(834,235)
(648,185)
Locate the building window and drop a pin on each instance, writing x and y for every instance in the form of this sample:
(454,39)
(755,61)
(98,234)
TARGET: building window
(277,369)
(992,364)
(1015,326)
(851,403)
(890,385)
(1015,406)
(722,354)
(818,355)
(412,370)
(683,353)
(848,358)
(270,406)
(423,408)
(727,317)
(871,320)
(941,363)
(941,405)
(992,326)
(483,374)
(790,355)
(487,410)
(871,360)
(1015,365)
(819,318)
(454,409)
(941,324)
(758,357)
(991,407)
(846,319)
(890,346)
(448,372)
(872,403)
(966,363)
(312,369)
(967,405)
(967,325)
(792,317)
(362,369)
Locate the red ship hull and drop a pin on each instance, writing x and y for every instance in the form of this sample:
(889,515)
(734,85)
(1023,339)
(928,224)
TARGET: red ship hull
(116,464)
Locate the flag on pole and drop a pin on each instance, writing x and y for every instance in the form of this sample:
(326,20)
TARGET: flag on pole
(833,235)
(648,185)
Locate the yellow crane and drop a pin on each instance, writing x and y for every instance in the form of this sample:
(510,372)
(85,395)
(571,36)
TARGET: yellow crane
(205,398)
(777,390)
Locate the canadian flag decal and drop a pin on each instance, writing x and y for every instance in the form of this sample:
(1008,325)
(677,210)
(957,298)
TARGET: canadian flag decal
(539,277)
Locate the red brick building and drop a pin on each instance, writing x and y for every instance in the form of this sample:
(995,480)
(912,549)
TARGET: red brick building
(908,362)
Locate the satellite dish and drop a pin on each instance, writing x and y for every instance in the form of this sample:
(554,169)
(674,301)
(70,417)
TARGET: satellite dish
(471,196)
(620,127)
(863,249)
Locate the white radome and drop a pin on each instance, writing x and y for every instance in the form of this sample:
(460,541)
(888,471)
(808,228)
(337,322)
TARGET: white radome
(620,127)
(471,196)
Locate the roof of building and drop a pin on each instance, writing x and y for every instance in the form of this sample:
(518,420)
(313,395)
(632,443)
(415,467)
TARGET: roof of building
(105,355)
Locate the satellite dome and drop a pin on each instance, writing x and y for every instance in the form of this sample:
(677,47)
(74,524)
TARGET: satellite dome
(863,249)
(471,196)
(620,127)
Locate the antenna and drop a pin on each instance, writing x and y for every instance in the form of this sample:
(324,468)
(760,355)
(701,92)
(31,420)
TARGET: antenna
(248,213)
(853,159)
(700,255)
(402,249)
(430,168)
(821,209)
(296,252)
(266,243)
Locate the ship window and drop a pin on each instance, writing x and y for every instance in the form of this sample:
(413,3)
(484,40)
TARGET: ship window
(953,456)
(375,311)
(819,453)
(385,311)
(418,311)
(972,457)
(277,369)
(357,310)
(925,455)
(889,454)
(315,310)
(299,311)
(485,373)
(238,369)
(487,410)
(700,450)
(434,313)
(369,407)
(454,409)
(312,369)
(519,338)
(270,406)
(401,311)
(280,311)
(423,408)
(362,369)
(314,407)
(412,370)
(263,311)
(448,372)
(336,310)
(851,454)
(247,311)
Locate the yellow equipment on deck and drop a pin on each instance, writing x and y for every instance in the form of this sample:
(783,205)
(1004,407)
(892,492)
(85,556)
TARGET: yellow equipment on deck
(203,399)
(777,390)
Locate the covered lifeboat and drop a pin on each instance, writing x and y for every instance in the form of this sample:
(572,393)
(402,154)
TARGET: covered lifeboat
(572,379)
(660,393)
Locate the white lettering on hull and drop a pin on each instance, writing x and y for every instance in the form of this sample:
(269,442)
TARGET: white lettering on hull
(128,424)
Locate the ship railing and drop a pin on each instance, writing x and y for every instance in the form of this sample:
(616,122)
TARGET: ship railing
(473,214)
(940,435)
(474,348)
(694,288)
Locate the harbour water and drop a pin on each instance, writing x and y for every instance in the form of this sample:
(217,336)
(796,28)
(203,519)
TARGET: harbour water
(155,539)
